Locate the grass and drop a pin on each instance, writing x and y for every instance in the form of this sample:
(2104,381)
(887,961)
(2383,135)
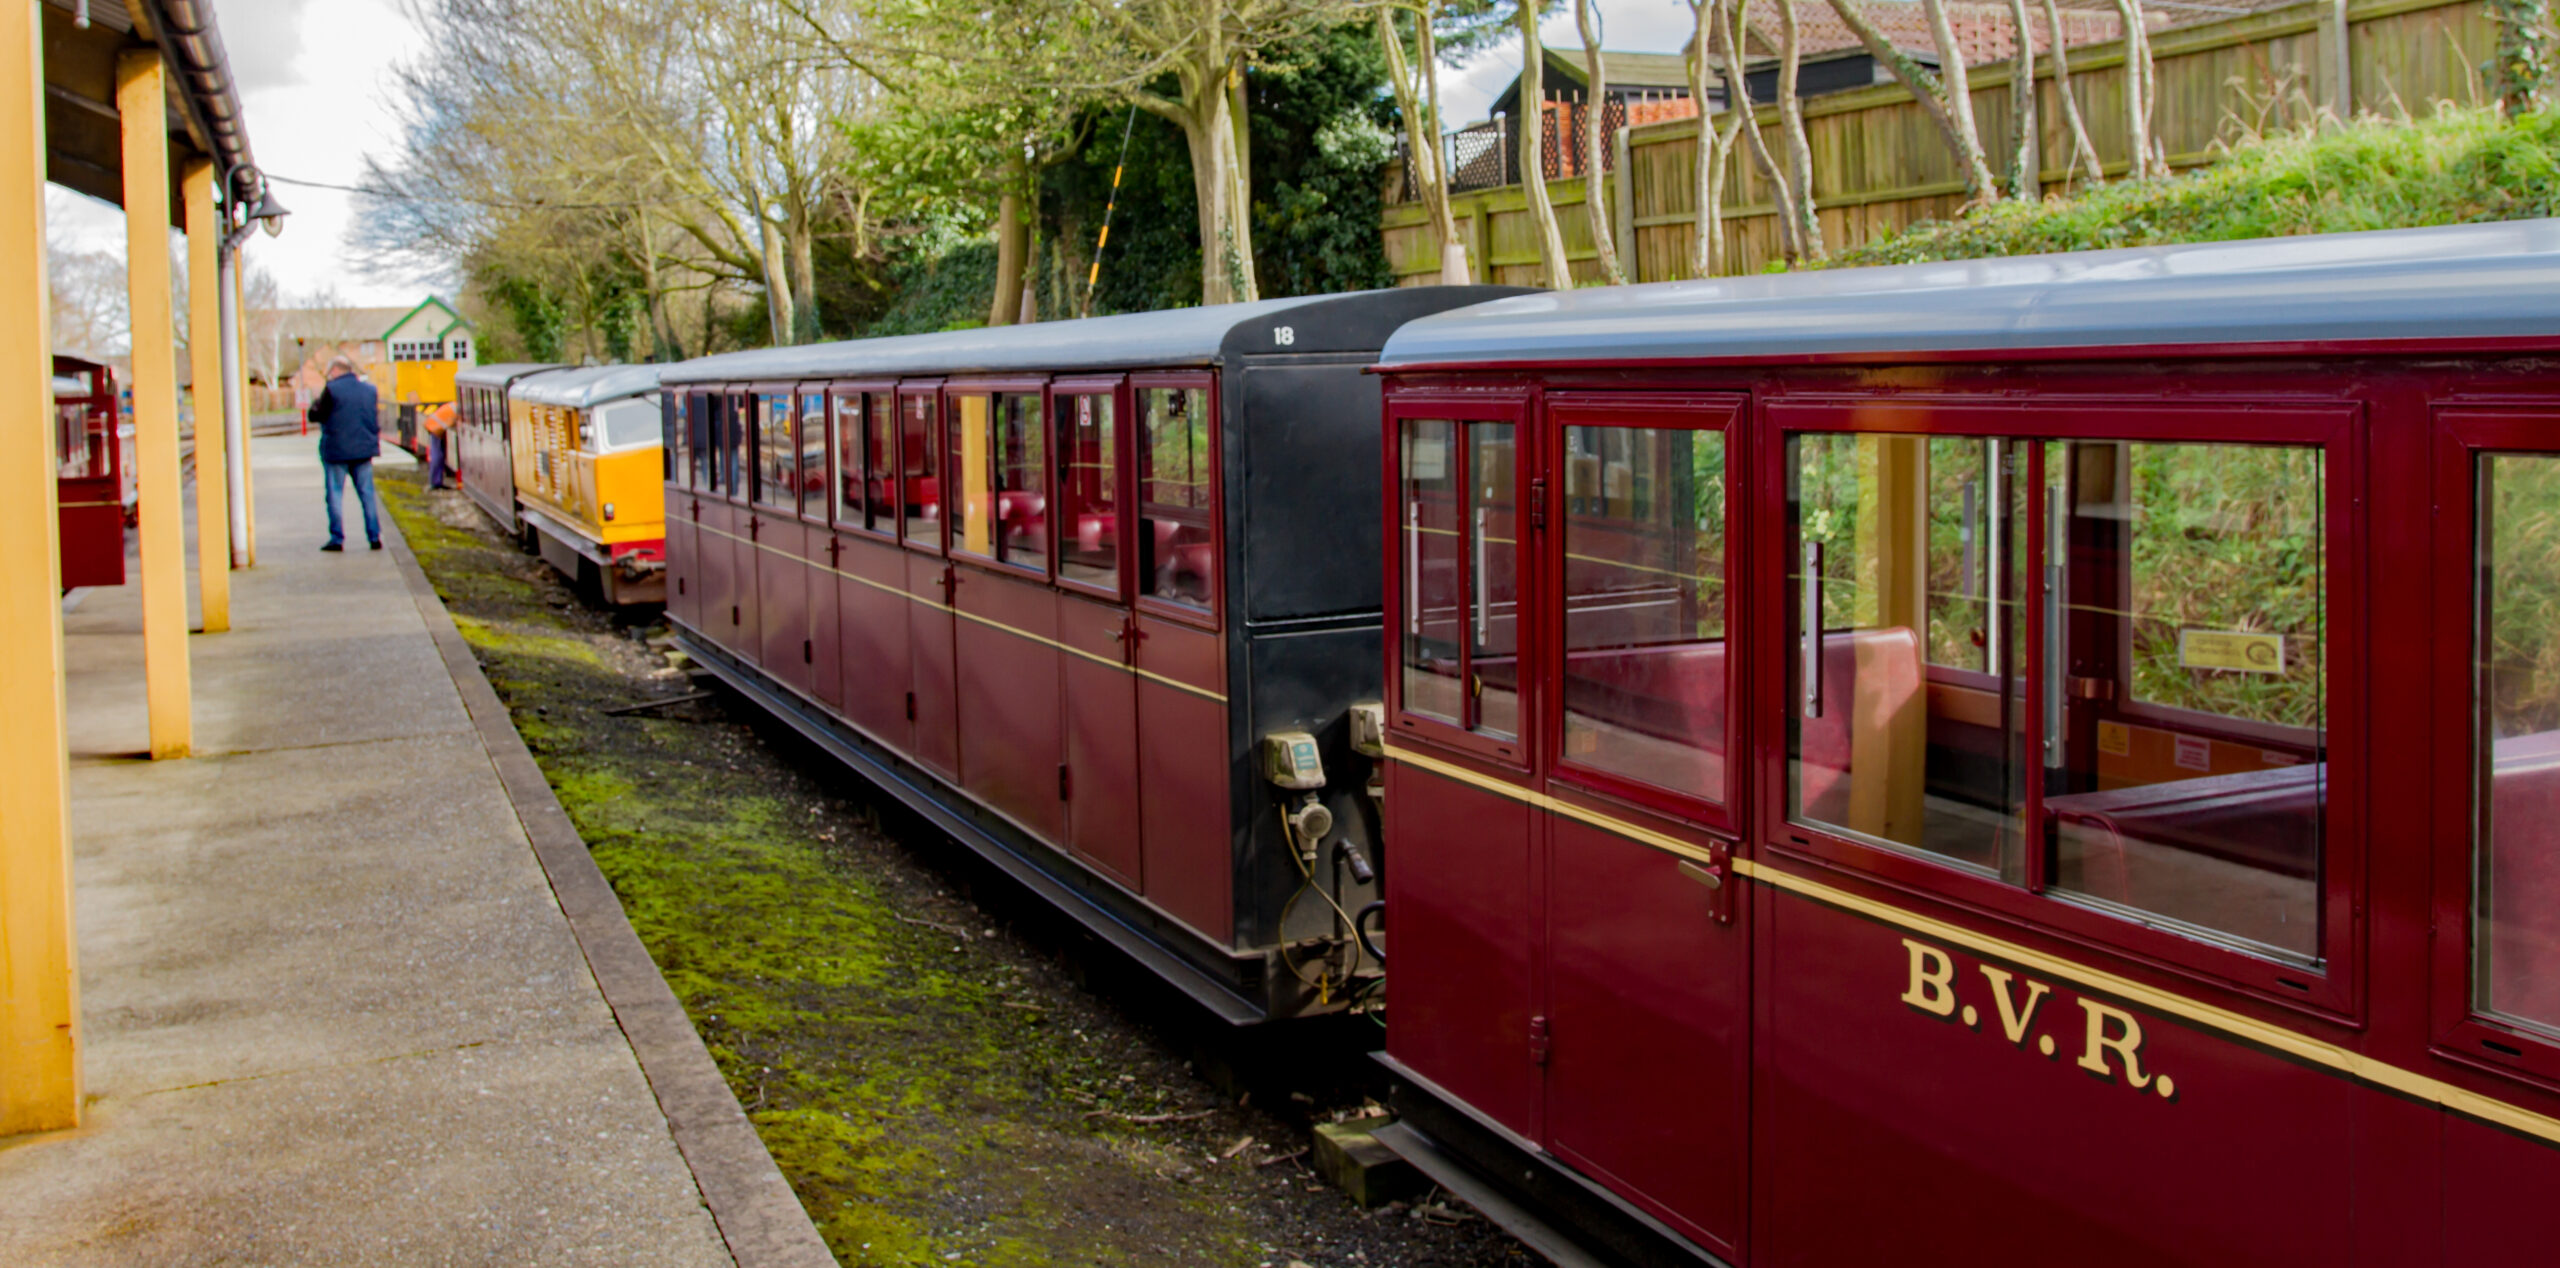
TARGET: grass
(2458,166)
(936,1092)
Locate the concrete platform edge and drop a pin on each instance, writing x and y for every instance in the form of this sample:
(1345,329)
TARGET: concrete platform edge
(759,1217)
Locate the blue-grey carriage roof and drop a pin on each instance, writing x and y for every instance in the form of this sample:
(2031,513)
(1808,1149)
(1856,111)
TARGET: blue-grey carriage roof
(1169,339)
(2462,281)
(586,386)
(499,374)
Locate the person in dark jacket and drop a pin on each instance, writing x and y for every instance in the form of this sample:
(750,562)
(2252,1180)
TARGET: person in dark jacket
(349,414)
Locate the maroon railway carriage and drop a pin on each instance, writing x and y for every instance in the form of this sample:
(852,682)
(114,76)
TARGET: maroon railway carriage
(1099,597)
(93,473)
(481,446)
(2028,761)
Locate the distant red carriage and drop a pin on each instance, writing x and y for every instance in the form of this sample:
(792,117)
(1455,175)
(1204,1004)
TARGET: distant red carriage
(93,470)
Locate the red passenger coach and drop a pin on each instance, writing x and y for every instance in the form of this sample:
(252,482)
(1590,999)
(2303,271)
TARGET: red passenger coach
(483,439)
(1098,597)
(2031,761)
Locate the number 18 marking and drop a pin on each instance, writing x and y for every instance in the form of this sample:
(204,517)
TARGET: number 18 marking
(1284,335)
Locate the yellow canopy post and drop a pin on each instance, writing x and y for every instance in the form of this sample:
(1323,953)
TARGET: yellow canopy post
(141,91)
(204,356)
(39,986)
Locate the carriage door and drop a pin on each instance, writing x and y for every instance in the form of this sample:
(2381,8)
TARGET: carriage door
(1098,693)
(931,707)
(1647,1001)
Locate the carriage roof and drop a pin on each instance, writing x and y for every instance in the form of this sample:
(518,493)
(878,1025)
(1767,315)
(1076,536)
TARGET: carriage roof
(2451,283)
(1169,339)
(586,387)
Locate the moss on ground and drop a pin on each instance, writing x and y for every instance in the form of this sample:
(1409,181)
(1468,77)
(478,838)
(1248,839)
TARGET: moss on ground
(2458,166)
(934,1092)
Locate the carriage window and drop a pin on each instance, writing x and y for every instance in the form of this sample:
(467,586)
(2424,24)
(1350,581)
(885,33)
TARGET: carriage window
(853,477)
(675,448)
(880,472)
(973,504)
(2189,579)
(1177,554)
(698,429)
(1088,492)
(731,419)
(1874,750)
(777,453)
(1644,606)
(1021,481)
(2516,743)
(2181,668)
(1429,495)
(919,471)
(813,453)
(1460,661)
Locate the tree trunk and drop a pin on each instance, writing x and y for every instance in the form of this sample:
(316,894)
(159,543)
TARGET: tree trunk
(1422,142)
(1530,116)
(1707,256)
(1962,140)
(2026,180)
(781,314)
(1005,307)
(1226,231)
(2083,151)
(1738,104)
(1959,94)
(2137,90)
(1595,115)
(803,238)
(1791,122)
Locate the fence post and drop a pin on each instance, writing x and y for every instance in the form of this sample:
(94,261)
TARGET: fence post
(1623,207)
(2336,59)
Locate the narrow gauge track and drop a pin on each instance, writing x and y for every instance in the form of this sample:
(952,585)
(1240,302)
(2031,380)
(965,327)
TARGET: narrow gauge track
(941,1064)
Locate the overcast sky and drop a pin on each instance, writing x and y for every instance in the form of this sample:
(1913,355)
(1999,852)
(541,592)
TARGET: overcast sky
(312,77)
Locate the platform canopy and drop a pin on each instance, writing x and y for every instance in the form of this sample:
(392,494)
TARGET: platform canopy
(83,141)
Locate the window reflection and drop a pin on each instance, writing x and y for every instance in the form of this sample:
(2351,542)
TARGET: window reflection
(1177,554)
(1088,492)
(2516,751)
(1644,602)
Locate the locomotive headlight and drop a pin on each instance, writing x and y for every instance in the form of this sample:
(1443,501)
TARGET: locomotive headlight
(608,510)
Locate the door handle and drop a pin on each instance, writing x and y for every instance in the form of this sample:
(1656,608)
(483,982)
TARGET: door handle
(1715,873)
(1811,650)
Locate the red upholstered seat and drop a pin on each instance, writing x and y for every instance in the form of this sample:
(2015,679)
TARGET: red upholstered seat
(2523,929)
(1674,692)
(1891,658)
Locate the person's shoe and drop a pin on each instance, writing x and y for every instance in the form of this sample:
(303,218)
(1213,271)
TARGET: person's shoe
(333,547)
(374,546)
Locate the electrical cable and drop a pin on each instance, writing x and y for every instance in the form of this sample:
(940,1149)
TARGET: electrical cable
(1093,277)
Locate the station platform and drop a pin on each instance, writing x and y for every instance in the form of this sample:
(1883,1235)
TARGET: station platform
(340,1004)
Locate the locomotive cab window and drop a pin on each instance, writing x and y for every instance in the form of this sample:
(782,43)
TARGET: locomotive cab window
(1177,541)
(2096,669)
(1458,532)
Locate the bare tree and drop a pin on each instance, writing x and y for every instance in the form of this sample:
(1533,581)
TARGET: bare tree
(90,314)
(1737,90)
(2084,153)
(1948,100)
(1807,217)
(1595,114)
(1416,82)
(2140,88)
(1530,114)
(1715,137)
(2026,139)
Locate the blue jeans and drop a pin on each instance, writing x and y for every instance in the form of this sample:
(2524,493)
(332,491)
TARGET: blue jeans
(338,473)
(435,460)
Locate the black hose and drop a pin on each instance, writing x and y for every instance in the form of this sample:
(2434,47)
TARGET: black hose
(1360,928)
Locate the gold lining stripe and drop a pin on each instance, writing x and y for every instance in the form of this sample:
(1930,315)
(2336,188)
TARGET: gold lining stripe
(2302,1047)
(73,506)
(989,622)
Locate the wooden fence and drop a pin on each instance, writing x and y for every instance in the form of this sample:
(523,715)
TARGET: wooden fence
(1880,163)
